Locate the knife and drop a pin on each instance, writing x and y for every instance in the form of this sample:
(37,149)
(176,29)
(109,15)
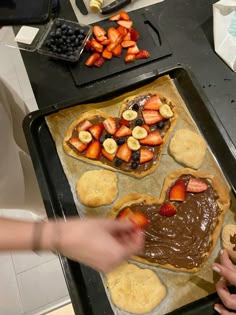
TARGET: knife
(81,6)
(114,6)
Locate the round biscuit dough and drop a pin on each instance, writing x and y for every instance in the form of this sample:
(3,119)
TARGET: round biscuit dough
(135,290)
(97,188)
(188,148)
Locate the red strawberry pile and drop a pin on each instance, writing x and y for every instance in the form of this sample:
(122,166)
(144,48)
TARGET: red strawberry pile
(106,44)
(178,192)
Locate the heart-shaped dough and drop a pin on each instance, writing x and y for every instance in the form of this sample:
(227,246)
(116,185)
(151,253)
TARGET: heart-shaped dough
(184,240)
(132,143)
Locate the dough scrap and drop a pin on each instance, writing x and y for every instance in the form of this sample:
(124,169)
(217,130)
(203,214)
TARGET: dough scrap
(135,290)
(188,148)
(97,188)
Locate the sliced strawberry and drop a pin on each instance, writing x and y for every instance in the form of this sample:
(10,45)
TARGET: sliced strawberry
(178,191)
(77,144)
(110,125)
(125,213)
(123,131)
(143,54)
(127,36)
(96,45)
(140,219)
(122,30)
(196,185)
(151,116)
(99,62)
(117,51)
(107,54)
(111,46)
(152,139)
(98,31)
(146,127)
(105,42)
(126,24)
(128,43)
(115,17)
(101,38)
(84,125)
(88,46)
(92,59)
(125,122)
(153,103)
(124,16)
(134,34)
(107,155)
(124,153)
(145,155)
(93,151)
(133,50)
(167,209)
(113,34)
(130,58)
(96,130)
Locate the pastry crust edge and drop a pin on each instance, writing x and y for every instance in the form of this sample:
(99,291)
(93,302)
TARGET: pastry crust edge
(223,202)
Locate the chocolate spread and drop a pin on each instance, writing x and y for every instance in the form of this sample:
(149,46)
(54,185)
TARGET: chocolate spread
(233,241)
(140,101)
(185,238)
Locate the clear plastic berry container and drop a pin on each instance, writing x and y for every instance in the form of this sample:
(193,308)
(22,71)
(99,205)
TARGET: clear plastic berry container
(65,40)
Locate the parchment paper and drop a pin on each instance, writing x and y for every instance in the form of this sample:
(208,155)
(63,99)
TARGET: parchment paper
(182,287)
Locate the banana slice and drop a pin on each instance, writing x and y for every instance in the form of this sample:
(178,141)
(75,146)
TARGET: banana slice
(129,114)
(85,136)
(139,132)
(96,4)
(166,111)
(133,144)
(110,146)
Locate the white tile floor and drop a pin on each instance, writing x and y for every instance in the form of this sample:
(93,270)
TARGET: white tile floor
(30,284)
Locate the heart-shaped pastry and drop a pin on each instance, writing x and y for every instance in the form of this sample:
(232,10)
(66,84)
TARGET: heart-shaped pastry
(184,223)
(131,143)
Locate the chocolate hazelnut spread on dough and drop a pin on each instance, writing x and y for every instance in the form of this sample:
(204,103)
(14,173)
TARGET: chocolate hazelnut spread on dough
(185,238)
(137,103)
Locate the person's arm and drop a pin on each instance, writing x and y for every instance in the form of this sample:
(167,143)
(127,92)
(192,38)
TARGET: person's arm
(100,243)
(228,276)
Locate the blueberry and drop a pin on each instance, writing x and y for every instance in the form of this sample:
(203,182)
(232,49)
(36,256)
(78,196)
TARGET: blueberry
(52,34)
(160,124)
(77,42)
(70,32)
(136,156)
(134,165)
(80,37)
(48,43)
(139,122)
(120,141)
(64,27)
(101,139)
(73,38)
(82,31)
(135,107)
(68,41)
(58,24)
(58,34)
(77,31)
(118,162)
(108,136)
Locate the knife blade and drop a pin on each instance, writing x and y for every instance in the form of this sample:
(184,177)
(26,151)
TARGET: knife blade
(81,6)
(114,6)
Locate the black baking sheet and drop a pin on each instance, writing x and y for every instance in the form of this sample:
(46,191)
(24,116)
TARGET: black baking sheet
(84,284)
(24,11)
(151,39)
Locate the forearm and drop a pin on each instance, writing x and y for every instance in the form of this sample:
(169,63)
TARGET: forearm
(20,235)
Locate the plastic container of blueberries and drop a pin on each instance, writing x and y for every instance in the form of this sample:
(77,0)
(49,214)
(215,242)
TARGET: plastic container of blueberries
(77,43)
(43,35)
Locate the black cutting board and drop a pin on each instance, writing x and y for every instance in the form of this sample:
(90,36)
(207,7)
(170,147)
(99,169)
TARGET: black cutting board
(151,39)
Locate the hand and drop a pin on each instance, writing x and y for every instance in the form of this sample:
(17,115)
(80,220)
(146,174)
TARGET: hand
(100,243)
(228,276)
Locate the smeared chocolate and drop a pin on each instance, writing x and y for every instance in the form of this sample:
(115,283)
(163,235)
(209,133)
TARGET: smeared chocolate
(184,239)
(233,241)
